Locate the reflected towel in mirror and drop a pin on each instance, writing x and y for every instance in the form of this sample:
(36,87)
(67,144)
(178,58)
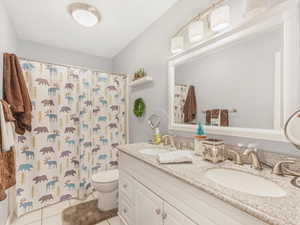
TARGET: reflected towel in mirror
(217,117)
(190,106)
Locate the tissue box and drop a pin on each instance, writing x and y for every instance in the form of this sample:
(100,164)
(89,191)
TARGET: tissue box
(213,150)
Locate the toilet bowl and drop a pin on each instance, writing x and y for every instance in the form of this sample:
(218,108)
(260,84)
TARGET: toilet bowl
(106,186)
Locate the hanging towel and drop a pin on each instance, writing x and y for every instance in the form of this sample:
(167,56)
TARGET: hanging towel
(190,106)
(217,117)
(7,131)
(224,118)
(7,171)
(175,157)
(16,93)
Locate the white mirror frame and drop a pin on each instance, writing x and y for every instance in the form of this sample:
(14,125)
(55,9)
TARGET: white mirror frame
(287,72)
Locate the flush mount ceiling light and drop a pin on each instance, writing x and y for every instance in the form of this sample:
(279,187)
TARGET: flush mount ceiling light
(84,14)
(220,18)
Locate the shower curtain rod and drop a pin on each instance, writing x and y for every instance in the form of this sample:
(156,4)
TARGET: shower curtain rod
(78,67)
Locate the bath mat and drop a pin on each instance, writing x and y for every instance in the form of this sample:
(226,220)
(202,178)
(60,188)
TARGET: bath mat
(86,214)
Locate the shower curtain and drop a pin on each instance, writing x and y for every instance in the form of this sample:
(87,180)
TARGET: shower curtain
(78,121)
(180,95)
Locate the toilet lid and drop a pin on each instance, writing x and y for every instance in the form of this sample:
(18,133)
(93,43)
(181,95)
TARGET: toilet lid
(106,176)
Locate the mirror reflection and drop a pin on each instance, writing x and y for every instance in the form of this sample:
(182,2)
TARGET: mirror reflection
(232,86)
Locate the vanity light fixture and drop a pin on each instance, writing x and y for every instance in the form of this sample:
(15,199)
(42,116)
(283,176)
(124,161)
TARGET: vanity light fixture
(177,44)
(196,31)
(253,7)
(195,27)
(84,14)
(220,18)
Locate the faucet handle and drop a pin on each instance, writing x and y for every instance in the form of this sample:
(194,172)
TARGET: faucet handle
(238,159)
(240,146)
(253,146)
(278,169)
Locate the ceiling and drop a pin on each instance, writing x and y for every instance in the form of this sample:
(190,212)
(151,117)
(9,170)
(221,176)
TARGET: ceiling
(48,22)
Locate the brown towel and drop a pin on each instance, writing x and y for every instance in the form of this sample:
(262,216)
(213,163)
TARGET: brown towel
(190,106)
(16,93)
(7,171)
(215,114)
(224,118)
(208,117)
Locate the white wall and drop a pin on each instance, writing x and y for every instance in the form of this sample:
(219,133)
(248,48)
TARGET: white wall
(7,44)
(28,49)
(8,40)
(36,51)
(151,51)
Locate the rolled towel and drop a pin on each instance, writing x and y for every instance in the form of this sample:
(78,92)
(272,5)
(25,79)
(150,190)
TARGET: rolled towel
(175,157)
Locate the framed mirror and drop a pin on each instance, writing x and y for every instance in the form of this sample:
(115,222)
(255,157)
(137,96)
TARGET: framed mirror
(292,129)
(245,83)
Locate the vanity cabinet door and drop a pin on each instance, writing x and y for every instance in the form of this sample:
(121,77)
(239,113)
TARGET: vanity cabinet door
(172,216)
(148,207)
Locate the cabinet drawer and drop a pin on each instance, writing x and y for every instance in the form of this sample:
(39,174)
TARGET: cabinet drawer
(127,163)
(174,217)
(126,186)
(126,211)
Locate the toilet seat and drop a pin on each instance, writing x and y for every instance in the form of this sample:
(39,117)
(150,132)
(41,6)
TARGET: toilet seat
(108,176)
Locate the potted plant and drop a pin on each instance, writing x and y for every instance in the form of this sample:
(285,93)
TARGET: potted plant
(139,74)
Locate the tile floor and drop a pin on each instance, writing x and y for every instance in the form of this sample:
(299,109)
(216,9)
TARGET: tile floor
(52,215)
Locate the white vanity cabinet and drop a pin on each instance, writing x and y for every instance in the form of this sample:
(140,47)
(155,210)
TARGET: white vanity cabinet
(148,207)
(150,196)
(174,217)
(144,207)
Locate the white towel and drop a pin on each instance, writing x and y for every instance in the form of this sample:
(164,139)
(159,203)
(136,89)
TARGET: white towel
(175,157)
(7,132)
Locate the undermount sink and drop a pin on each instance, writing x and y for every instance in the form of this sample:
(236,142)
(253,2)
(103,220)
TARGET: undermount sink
(153,151)
(245,182)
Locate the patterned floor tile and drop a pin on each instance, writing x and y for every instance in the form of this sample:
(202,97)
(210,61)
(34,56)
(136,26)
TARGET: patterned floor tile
(29,218)
(55,209)
(114,221)
(53,220)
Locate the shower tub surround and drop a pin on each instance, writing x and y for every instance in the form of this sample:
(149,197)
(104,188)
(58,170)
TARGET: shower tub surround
(271,210)
(78,119)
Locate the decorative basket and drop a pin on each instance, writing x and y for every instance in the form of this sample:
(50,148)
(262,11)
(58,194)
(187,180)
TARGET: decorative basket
(213,150)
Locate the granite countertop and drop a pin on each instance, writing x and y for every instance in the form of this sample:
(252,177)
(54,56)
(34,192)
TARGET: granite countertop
(272,210)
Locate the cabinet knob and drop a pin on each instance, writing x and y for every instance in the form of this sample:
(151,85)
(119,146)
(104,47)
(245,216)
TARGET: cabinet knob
(158,211)
(125,186)
(164,216)
(125,210)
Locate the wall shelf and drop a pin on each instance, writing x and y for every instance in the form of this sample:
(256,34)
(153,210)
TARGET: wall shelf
(141,81)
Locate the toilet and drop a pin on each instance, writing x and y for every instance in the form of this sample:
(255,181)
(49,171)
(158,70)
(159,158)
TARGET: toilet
(106,186)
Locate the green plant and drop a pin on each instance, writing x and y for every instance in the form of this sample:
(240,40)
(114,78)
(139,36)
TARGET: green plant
(139,74)
(139,107)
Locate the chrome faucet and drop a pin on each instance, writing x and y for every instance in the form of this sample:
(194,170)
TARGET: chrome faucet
(252,153)
(279,167)
(168,140)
